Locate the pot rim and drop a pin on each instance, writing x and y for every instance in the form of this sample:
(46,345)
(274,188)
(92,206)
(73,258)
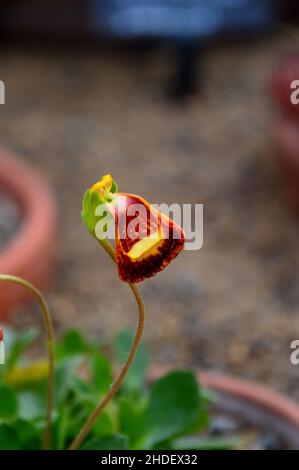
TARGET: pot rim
(33,194)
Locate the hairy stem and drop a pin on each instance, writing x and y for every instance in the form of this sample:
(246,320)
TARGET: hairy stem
(116,385)
(50,338)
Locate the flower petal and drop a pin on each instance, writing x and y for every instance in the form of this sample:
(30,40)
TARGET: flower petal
(145,243)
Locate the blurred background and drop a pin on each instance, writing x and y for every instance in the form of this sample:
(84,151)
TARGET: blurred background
(179,101)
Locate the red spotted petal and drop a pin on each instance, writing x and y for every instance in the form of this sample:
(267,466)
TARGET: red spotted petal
(146,240)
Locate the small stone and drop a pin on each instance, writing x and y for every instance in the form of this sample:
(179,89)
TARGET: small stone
(223,425)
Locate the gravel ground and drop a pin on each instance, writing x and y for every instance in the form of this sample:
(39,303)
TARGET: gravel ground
(77,114)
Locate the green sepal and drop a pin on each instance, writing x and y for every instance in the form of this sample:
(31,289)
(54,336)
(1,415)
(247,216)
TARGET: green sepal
(114,188)
(91,200)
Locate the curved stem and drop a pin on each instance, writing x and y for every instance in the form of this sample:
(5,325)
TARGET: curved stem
(50,337)
(116,385)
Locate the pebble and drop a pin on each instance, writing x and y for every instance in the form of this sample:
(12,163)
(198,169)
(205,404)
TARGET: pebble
(223,425)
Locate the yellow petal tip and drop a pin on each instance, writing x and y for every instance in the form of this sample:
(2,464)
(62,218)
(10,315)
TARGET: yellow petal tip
(103,186)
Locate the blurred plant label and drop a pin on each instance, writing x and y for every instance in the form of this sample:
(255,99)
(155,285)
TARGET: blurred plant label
(2,92)
(295,93)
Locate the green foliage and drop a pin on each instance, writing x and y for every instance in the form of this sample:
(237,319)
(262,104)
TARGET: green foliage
(8,404)
(173,406)
(136,375)
(115,442)
(9,438)
(72,344)
(166,415)
(18,343)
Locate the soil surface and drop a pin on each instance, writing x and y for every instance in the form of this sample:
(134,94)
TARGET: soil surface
(77,113)
(235,433)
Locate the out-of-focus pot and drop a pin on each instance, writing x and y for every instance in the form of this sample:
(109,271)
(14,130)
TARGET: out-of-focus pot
(29,253)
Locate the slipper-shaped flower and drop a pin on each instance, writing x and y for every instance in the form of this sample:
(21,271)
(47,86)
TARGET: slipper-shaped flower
(145,239)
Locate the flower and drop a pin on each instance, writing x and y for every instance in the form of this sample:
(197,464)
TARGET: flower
(145,239)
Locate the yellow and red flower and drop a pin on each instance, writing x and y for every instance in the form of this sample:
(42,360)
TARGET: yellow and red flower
(144,243)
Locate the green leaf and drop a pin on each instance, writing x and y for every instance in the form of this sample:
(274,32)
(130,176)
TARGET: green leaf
(174,405)
(8,438)
(72,344)
(66,377)
(31,405)
(101,373)
(27,435)
(103,425)
(60,428)
(138,370)
(202,422)
(116,442)
(66,426)
(17,343)
(114,187)
(73,413)
(8,403)
(130,412)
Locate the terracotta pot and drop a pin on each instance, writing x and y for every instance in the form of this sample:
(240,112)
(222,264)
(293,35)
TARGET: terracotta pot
(256,405)
(287,141)
(29,253)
